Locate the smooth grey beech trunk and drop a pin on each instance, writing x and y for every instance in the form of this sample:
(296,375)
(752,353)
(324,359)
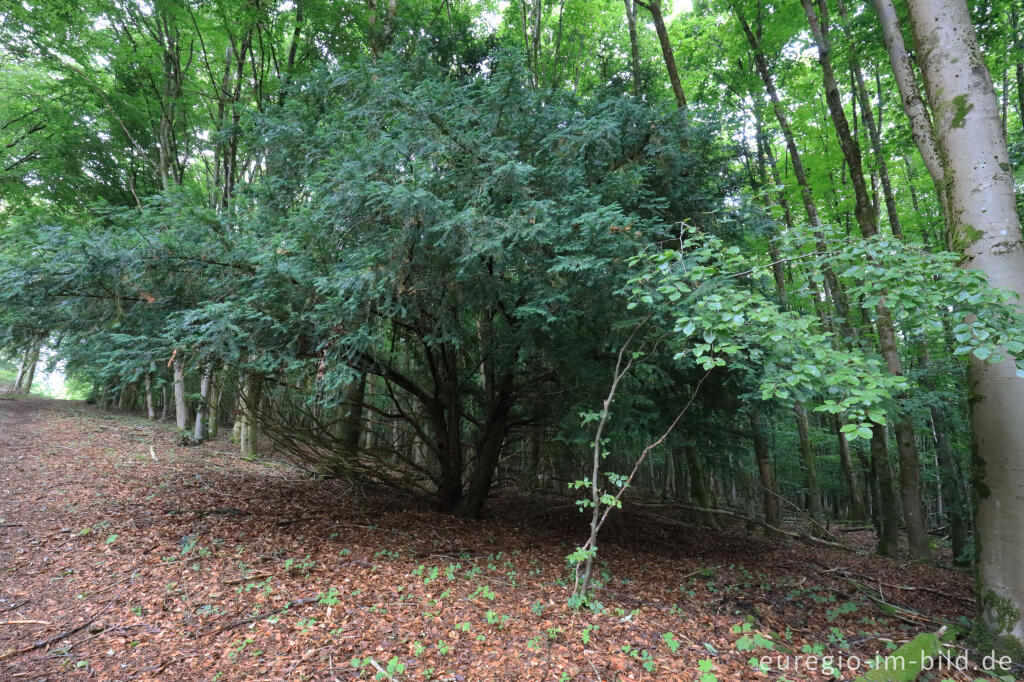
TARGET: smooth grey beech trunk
(150,411)
(910,94)
(199,432)
(985,227)
(181,414)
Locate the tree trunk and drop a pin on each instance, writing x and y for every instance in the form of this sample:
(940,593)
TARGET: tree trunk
(857,509)
(22,368)
(163,401)
(31,360)
(949,481)
(199,432)
(150,411)
(250,434)
(699,490)
(809,466)
(888,514)
(214,419)
(488,451)
(654,7)
(913,104)
(634,45)
(763,455)
(910,495)
(984,225)
(181,413)
(351,430)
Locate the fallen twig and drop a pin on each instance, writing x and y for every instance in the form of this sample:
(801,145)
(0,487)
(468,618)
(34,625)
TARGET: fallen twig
(14,606)
(243,621)
(66,633)
(381,670)
(24,622)
(255,576)
(799,536)
(907,588)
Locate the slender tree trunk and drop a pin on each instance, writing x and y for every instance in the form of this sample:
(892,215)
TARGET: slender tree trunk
(163,403)
(985,227)
(654,7)
(857,508)
(634,46)
(199,432)
(809,465)
(214,419)
(22,367)
(250,435)
(913,103)
(351,429)
(150,412)
(949,482)
(699,489)
(763,455)
(181,413)
(888,514)
(30,373)
(910,495)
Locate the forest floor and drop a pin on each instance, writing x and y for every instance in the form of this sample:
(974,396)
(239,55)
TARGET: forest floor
(124,556)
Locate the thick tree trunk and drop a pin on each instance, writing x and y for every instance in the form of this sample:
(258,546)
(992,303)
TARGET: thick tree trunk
(763,455)
(985,227)
(488,451)
(181,413)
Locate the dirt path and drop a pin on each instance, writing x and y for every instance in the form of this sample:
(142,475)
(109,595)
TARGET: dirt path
(199,565)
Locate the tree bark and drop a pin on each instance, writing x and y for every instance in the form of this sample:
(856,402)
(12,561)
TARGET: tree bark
(699,490)
(214,419)
(634,45)
(809,466)
(985,227)
(181,412)
(888,514)
(150,412)
(250,435)
(654,7)
(763,455)
(857,509)
(913,104)
(910,495)
(199,432)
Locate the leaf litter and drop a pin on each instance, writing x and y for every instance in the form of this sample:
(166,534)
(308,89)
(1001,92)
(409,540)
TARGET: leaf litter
(125,556)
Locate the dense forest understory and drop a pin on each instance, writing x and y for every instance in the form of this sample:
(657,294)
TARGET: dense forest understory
(126,556)
(700,292)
